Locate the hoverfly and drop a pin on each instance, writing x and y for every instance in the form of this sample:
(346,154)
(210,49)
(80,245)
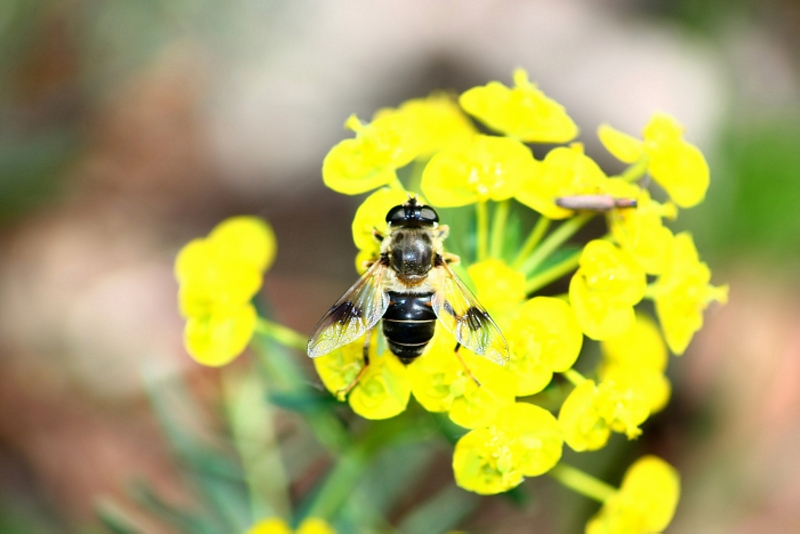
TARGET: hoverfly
(411,287)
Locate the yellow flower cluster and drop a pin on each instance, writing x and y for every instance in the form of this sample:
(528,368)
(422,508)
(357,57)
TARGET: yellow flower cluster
(457,166)
(276,525)
(218,276)
(508,436)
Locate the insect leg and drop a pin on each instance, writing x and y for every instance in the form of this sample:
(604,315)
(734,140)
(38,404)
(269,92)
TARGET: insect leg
(464,364)
(342,393)
(377,235)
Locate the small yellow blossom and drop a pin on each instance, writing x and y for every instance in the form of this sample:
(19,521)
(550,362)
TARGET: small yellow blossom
(369,160)
(276,525)
(441,383)
(682,292)
(637,358)
(523,112)
(498,286)
(381,392)
(591,412)
(676,165)
(488,168)
(538,437)
(644,504)
(641,345)
(544,337)
(314,525)
(565,171)
(605,288)
(485,461)
(218,276)
(524,440)
(640,230)
(438,123)
(273,525)
(371,216)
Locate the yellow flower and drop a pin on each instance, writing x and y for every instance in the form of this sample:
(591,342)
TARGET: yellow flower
(605,288)
(677,166)
(485,461)
(644,504)
(273,525)
(523,112)
(383,390)
(370,216)
(487,168)
(369,161)
(218,276)
(682,292)
(565,171)
(438,123)
(276,525)
(638,359)
(498,286)
(591,412)
(640,230)
(315,525)
(544,337)
(538,437)
(441,383)
(524,440)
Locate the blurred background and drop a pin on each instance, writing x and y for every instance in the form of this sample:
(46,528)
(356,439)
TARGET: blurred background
(129,128)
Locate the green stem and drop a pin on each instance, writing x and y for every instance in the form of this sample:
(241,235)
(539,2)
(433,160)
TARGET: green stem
(536,236)
(553,273)
(498,227)
(583,483)
(282,334)
(339,483)
(555,240)
(482,214)
(574,377)
(635,171)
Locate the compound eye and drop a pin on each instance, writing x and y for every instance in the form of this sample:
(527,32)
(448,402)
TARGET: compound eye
(428,214)
(396,214)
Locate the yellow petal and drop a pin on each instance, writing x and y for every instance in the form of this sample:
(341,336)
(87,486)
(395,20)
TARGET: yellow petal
(565,171)
(315,525)
(544,337)
(249,238)
(484,462)
(439,124)
(383,391)
(488,168)
(641,345)
(622,146)
(523,112)
(371,215)
(674,164)
(538,436)
(683,292)
(581,424)
(497,285)
(217,339)
(604,290)
(273,525)
(347,169)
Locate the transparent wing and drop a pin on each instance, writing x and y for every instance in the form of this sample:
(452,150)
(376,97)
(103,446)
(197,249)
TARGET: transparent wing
(357,311)
(461,314)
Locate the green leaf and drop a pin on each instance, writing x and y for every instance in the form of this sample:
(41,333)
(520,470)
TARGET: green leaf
(440,513)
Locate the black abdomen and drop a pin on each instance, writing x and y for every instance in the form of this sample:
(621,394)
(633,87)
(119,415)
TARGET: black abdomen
(408,324)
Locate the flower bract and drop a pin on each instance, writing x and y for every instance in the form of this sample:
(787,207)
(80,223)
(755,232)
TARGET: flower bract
(522,112)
